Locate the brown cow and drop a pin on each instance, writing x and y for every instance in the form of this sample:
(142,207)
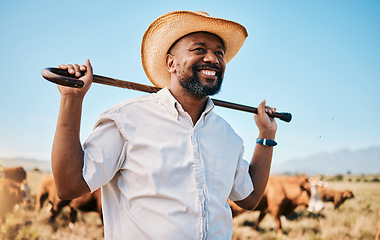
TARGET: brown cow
(17,174)
(11,193)
(86,203)
(337,197)
(282,196)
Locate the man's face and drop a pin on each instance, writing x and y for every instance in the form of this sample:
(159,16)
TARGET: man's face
(199,63)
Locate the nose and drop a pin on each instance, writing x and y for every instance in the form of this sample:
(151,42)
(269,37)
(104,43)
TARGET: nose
(211,58)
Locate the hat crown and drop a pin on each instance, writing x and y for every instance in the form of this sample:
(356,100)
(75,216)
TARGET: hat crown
(202,13)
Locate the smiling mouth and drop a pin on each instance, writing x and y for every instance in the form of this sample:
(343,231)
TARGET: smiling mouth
(208,72)
(210,76)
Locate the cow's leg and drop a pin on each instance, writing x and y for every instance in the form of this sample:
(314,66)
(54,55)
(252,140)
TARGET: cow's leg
(40,201)
(277,219)
(261,217)
(73,215)
(53,215)
(276,213)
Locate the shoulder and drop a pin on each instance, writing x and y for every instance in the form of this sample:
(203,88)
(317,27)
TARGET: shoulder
(129,104)
(122,111)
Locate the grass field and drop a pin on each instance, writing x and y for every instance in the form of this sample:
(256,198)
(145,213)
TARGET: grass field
(26,224)
(355,219)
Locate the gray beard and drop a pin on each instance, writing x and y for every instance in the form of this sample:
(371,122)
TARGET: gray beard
(193,84)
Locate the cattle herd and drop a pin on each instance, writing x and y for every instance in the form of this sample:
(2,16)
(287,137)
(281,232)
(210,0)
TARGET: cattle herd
(15,190)
(286,193)
(282,196)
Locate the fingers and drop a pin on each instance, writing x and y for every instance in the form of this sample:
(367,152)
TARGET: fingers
(83,72)
(265,109)
(62,66)
(270,110)
(75,69)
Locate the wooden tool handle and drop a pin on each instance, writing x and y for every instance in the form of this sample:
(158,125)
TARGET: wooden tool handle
(62,77)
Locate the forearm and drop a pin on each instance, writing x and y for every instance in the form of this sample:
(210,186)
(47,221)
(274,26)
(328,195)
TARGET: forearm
(259,168)
(67,153)
(259,171)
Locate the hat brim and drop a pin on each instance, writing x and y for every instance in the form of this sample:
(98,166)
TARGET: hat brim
(168,28)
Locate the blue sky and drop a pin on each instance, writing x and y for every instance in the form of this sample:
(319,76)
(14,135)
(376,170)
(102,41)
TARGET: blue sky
(319,60)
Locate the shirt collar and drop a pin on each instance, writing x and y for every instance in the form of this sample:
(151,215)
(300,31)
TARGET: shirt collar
(174,107)
(168,101)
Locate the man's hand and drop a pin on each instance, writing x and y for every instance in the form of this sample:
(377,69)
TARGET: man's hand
(267,125)
(77,71)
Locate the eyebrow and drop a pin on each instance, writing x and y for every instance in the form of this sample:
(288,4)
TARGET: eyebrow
(204,45)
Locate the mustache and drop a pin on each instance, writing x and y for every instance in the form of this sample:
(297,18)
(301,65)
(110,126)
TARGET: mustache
(212,66)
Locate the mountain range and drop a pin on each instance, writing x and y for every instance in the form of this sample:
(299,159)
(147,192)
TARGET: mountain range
(363,161)
(27,164)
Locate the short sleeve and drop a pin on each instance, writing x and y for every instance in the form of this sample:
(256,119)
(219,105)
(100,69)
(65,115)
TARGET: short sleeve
(243,185)
(103,152)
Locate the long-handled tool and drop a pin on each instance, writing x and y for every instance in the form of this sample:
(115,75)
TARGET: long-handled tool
(62,77)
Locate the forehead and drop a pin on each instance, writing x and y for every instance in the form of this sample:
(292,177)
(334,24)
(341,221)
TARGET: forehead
(201,38)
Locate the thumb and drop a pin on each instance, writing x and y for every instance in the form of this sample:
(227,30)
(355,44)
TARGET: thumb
(261,107)
(88,66)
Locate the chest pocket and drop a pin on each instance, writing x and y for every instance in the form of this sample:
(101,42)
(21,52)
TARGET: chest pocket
(220,160)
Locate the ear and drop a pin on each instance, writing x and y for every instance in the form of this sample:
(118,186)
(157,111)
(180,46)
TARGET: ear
(169,62)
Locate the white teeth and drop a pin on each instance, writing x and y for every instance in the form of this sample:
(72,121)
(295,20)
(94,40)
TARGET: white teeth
(208,72)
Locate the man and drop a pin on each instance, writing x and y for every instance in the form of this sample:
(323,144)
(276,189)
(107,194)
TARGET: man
(165,161)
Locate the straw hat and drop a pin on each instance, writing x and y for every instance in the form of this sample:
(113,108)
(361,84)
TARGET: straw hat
(168,28)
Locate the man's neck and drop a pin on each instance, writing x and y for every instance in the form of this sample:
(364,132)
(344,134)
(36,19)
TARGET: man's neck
(190,103)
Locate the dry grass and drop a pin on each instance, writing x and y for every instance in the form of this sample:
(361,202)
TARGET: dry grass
(24,223)
(355,219)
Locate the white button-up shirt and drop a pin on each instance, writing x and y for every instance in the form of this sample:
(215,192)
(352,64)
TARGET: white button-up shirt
(161,176)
